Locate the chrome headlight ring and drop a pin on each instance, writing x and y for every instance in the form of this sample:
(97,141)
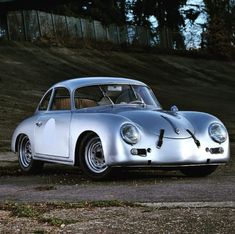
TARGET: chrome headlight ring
(130,134)
(218,132)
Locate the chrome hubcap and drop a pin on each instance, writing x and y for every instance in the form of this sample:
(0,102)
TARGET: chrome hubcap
(25,152)
(94,156)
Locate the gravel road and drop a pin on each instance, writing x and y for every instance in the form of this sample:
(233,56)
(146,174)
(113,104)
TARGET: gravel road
(59,183)
(40,189)
(167,202)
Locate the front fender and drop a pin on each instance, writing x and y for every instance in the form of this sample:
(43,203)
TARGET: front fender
(201,122)
(106,126)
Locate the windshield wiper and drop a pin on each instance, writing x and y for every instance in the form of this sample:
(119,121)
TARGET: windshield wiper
(106,96)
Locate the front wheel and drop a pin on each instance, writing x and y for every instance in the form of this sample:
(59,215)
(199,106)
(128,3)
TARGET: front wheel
(198,171)
(91,158)
(26,161)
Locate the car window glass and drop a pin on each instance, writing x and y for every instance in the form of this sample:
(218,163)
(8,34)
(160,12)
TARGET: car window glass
(87,97)
(119,93)
(45,102)
(101,95)
(61,100)
(146,95)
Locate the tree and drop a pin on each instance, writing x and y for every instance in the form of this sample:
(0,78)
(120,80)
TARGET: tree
(106,11)
(233,22)
(170,22)
(142,10)
(168,15)
(220,26)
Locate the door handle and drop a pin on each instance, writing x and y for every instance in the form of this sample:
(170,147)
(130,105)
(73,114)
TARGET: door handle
(39,124)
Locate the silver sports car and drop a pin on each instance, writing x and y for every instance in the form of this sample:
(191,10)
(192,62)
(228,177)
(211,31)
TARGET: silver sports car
(99,123)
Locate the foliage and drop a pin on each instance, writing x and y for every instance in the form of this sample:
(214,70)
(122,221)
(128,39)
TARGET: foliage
(170,15)
(220,27)
(217,33)
(21,210)
(192,14)
(233,22)
(169,18)
(106,11)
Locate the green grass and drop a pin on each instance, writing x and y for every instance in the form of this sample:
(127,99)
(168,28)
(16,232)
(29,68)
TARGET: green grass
(57,222)
(27,211)
(37,210)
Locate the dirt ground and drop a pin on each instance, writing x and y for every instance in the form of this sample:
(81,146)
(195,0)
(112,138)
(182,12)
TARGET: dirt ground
(124,219)
(27,71)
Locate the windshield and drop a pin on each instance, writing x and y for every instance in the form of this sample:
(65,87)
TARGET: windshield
(101,95)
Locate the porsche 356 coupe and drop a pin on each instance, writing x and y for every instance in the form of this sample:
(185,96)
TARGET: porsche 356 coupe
(99,123)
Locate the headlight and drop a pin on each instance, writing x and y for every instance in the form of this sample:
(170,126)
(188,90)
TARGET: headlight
(218,132)
(130,134)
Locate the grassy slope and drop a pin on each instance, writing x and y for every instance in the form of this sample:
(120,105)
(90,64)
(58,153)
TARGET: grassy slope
(27,71)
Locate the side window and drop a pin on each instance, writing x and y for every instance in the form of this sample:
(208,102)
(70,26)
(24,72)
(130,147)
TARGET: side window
(61,100)
(45,102)
(87,97)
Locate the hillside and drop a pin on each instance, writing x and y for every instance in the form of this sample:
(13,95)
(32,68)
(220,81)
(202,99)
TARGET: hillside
(27,71)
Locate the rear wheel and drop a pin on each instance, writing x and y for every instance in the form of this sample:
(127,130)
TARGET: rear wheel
(91,158)
(26,161)
(198,171)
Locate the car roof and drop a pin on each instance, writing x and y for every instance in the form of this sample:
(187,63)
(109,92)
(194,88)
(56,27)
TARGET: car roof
(89,81)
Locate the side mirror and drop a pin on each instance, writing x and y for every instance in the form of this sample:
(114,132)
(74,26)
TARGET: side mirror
(174,109)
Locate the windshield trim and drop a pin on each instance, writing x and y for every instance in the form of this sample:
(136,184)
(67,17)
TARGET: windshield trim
(157,105)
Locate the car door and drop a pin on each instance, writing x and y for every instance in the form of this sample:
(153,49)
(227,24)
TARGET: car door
(52,127)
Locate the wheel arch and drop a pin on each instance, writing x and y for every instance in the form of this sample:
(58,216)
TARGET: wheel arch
(78,144)
(18,138)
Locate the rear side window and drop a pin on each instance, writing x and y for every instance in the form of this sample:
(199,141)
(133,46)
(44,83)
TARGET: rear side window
(45,102)
(61,100)
(87,97)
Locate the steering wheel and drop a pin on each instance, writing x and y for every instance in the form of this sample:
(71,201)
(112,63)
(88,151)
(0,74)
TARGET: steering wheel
(136,102)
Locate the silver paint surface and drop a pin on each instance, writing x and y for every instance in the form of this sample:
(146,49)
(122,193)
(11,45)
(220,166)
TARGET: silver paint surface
(54,134)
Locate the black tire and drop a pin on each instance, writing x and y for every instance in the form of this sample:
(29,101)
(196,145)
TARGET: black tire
(198,171)
(91,158)
(26,162)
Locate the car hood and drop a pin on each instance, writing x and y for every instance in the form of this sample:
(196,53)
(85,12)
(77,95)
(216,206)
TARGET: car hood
(150,120)
(174,124)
